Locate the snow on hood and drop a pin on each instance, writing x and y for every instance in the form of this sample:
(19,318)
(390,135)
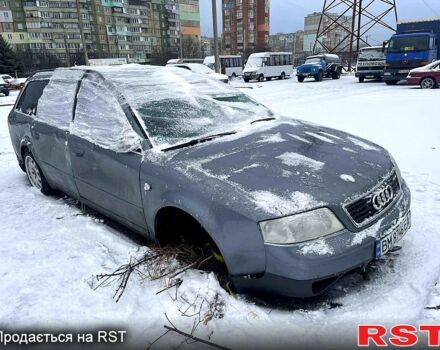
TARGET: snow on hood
(274,179)
(425,68)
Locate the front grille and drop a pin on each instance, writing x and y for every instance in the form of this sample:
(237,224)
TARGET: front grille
(363,210)
(306,70)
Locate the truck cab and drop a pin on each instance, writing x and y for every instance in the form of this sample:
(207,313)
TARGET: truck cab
(370,63)
(320,66)
(414,45)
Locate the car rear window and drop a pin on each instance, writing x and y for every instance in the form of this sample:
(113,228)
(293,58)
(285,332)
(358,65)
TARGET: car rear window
(28,102)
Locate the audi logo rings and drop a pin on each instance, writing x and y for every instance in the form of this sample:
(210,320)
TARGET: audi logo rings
(382,198)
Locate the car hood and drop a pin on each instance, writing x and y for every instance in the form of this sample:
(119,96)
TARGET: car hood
(310,65)
(250,70)
(283,167)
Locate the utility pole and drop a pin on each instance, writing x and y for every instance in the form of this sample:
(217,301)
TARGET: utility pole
(81,30)
(214,22)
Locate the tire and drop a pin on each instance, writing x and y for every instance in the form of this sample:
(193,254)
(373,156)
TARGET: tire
(34,174)
(361,79)
(282,76)
(246,80)
(300,78)
(428,83)
(269,78)
(336,74)
(261,78)
(233,76)
(391,82)
(319,76)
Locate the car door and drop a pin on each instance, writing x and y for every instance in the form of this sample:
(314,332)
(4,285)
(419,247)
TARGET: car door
(50,129)
(106,153)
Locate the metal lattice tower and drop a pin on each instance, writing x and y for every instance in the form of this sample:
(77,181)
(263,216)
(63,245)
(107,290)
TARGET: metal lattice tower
(353,19)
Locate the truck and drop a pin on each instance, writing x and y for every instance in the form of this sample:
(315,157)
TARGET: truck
(415,44)
(370,63)
(320,66)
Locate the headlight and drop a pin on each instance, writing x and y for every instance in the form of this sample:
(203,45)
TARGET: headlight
(396,167)
(301,227)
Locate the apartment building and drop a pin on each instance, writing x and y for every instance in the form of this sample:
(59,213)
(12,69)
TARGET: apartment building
(134,29)
(332,37)
(282,42)
(245,26)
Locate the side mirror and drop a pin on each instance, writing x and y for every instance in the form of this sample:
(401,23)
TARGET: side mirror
(384,45)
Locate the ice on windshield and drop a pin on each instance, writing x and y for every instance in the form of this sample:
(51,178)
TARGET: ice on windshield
(177,105)
(313,60)
(371,55)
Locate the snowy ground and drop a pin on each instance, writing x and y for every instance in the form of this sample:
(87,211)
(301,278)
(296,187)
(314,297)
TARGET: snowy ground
(50,252)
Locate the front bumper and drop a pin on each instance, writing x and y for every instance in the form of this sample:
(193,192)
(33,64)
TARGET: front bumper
(373,74)
(414,80)
(308,269)
(395,74)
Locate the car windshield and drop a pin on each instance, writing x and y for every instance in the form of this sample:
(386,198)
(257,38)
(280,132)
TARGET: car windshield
(200,68)
(371,55)
(313,60)
(176,105)
(254,62)
(412,43)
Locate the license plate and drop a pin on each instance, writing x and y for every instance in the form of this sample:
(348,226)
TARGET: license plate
(403,71)
(386,243)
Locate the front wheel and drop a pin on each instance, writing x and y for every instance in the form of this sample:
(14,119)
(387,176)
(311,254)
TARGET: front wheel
(428,83)
(261,78)
(35,175)
(269,78)
(300,78)
(319,76)
(233,76)
(6,92)
(246,80)
(282,76)
(336,74)
(361,79)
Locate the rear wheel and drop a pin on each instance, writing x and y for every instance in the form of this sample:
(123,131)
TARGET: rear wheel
(261,78)
(319,76)
(282,76)
(336,74)
(428,83)
(6,92)
(34,174)
(361,79)
(391,82)
(300,78)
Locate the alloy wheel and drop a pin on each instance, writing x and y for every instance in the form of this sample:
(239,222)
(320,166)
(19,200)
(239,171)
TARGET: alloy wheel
(33,173)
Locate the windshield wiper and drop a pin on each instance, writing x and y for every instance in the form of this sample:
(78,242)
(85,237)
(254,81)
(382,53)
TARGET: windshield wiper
(263,120)
(199,140)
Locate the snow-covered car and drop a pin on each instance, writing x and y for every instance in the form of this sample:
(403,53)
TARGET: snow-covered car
(291,207)
(201,69)
(428,77)
(6,77)
(17,83)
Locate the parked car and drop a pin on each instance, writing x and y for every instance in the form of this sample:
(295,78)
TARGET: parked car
(320,66)
(428,77)
(370,63)
(201,69)
(4,87)
(17,83)
(6,77)
(268,65)
(290,206)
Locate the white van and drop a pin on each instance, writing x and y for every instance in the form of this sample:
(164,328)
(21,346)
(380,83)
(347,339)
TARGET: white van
(231,65)
(268,65)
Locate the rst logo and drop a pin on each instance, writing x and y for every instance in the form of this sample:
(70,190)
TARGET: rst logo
(402,335)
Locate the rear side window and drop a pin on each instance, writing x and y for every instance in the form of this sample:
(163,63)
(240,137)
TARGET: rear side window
(100,119)
(58,99)
(29,98)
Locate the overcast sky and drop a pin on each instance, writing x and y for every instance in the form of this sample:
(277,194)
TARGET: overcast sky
(288,15)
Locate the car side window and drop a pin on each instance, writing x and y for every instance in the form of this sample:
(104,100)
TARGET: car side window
(56,103)
(28,102)
(100,118)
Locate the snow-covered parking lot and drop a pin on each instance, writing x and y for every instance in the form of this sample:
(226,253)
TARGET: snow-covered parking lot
(51,251)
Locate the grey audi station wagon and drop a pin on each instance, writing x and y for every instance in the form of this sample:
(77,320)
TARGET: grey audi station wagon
(290,206)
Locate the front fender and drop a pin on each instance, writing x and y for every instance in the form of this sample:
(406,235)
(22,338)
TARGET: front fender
(237,237)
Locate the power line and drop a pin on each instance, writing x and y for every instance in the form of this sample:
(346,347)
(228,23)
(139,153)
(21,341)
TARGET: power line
(429,6)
